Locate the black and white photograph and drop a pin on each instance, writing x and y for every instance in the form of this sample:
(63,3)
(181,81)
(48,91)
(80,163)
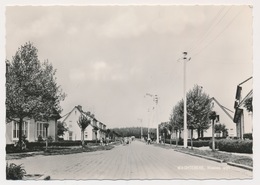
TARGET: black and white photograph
(128,92)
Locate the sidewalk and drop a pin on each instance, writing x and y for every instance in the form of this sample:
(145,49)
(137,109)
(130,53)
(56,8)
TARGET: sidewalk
(233,153)
(207,148)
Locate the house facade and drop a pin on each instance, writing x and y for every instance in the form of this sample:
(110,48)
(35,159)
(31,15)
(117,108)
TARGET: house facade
(95,131)
(32,129)
(242,117)
(226,119)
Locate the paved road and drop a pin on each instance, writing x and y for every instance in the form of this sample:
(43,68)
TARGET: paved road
(134,161)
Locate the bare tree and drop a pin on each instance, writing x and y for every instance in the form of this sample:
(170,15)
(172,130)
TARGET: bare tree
(83,123)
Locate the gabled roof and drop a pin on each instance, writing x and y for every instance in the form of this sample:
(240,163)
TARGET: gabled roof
(223,108)
(249,95)
(79,108)
(238,109)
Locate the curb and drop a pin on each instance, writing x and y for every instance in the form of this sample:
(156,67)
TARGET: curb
(45,177)
(202,156)
(240,166)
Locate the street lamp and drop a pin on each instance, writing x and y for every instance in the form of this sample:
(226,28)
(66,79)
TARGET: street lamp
(155,99)
(185,131)
(213,116)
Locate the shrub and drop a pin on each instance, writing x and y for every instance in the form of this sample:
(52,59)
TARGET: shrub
(199,143)
(50,139)
(180,141)
(40,139)
(216,144)
(14,172)
(248,136)
(196,143)
(209,138)
(36,146)
(228,145)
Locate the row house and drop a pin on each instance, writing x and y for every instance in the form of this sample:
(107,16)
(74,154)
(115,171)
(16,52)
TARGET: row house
(32,129)
(95,131)
(226,118)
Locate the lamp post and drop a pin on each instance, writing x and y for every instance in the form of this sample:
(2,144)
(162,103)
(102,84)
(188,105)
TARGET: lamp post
(155,99)
(185,130)
(213,116)
(141,128)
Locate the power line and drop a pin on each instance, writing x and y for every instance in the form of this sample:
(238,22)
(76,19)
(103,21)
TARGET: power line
(209,30)
(202,32)
(218,34)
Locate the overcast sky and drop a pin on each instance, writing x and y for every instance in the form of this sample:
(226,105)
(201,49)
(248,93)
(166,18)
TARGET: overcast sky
(108,57)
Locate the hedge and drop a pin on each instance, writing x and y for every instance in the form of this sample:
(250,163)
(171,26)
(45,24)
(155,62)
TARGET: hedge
(237,146)
(196,143)
(248,136)
(209,138)
(32,146)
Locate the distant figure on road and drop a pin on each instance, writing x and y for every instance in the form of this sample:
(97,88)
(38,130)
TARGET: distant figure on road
(125,141)
(149,140)
(107,140)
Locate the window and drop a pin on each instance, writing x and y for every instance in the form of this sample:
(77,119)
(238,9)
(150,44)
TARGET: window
(41,130)
(16,129)
(70,135)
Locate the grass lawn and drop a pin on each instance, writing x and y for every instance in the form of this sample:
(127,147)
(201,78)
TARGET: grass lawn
(60,151)
(227,157)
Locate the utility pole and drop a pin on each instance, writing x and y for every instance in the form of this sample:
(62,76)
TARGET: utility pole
(156,118)
(185,130)
(213,116)
(155,99)
(141,128)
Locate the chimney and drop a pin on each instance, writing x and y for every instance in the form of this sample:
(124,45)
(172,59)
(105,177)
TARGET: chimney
(80,108)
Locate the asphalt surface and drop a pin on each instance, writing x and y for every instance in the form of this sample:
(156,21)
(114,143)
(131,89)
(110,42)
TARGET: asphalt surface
(134,161)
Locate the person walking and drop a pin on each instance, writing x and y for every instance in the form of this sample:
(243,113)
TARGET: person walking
(149,140)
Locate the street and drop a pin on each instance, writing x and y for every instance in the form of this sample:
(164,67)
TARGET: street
(134,161)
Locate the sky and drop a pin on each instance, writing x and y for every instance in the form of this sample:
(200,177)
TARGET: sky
(109,57)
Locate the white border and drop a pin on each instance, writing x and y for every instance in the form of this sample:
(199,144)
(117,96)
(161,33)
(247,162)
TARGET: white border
(256,73)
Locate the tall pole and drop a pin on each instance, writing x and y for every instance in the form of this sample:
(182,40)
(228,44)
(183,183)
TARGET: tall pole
(156,119)
(185,133)
(213,135)
(148,131)
(141,128)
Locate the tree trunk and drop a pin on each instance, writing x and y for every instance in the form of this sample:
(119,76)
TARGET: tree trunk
(176,138)
(198,130)
(191,136)
(171,139)
(202,133)
(46,138)
(20,142)
(82,139)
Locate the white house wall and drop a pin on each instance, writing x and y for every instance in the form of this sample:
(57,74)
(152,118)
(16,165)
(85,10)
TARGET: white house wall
(224,119)
(72,125)
(32,131)
(89,133)
(248,121)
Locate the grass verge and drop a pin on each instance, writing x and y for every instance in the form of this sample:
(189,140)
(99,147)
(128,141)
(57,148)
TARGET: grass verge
(60,151)
(226,157)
